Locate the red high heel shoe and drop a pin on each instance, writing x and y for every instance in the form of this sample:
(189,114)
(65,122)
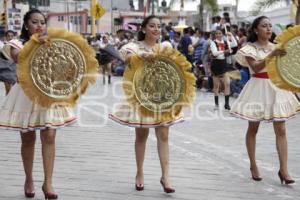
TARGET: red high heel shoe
(29,194)
(49,195)
(256,178)
(139,187)
(284,180)
(166,189)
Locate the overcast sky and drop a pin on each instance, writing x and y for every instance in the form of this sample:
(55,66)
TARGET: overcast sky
(244,5)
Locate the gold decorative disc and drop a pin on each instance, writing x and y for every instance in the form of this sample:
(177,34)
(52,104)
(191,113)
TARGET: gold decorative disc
(159,88)
(159,84)
(289,65)
(57,70)
(284,71)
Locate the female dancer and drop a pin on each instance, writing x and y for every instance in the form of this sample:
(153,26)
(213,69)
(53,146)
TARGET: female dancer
(261,100)
(220,50)
(20,113)
(147,40)
(8,67)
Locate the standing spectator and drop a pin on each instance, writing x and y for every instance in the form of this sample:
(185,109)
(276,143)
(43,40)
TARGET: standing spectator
(177,37)
(220,50)
(198,46)
(216,23)
(185,45)
(105,58)
(8,67)
(206,61)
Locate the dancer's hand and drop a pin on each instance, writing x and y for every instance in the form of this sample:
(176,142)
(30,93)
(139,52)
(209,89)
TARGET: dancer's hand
(147,56)
(278,52)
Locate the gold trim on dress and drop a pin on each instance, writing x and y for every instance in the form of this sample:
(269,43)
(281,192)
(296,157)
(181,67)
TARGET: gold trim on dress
(57,71)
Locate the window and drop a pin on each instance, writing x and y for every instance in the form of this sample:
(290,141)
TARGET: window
(226,9)
(61,18)
(43,2)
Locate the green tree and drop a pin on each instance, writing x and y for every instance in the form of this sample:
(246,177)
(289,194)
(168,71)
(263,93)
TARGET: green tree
(211,4)
(260,5)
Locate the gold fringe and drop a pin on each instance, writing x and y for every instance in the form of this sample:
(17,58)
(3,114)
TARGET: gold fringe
(187,98)
(234,74)
(271,63)
(23,68)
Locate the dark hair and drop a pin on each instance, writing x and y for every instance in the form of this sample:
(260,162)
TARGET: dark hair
(290,25)
(166,38)
(24,33)
(252,37)
(120,31)
(141,35)
(206,35)
(9,31)
(272,39)
(186,30)
(243,31)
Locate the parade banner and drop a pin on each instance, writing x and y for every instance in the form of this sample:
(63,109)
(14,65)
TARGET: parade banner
(57,71)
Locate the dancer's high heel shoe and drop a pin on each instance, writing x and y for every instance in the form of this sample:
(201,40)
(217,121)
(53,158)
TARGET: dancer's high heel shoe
(29,194)
(166,189)
(139,187)
(284,180)
(256,178)
(49,195)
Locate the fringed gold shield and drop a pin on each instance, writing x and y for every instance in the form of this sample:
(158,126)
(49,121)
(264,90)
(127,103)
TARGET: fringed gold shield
(57,71)
(162,85)
(285,71)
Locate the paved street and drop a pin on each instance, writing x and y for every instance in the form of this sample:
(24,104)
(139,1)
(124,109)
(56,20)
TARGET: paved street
(208,158)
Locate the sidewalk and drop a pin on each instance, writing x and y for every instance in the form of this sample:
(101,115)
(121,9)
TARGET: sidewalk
(208,158)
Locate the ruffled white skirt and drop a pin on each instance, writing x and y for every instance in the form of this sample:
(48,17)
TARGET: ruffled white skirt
(128,115)
(19,113)
(261,100)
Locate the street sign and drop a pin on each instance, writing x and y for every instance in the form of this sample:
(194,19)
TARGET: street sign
(98,11)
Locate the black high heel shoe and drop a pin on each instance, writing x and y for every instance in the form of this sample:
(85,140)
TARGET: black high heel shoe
(284,180)
(166,189)
(139,187)
(256,178)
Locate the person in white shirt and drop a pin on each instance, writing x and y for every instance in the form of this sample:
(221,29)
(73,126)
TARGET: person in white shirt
(220,49)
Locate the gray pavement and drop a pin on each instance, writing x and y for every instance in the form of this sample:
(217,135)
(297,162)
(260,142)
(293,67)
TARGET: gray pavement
(208,158)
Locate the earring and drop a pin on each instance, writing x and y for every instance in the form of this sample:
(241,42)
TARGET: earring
(26,28)
(144,32)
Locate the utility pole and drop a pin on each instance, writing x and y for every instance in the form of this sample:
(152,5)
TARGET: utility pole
(68,17)
(111,16)
(93,27)
(152,7)
(4,17)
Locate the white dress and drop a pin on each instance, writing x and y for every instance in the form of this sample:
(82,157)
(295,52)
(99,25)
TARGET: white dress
(126,114)
(260,99)
(19,113)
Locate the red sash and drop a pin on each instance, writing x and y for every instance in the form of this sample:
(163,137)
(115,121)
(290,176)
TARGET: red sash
(261,75)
